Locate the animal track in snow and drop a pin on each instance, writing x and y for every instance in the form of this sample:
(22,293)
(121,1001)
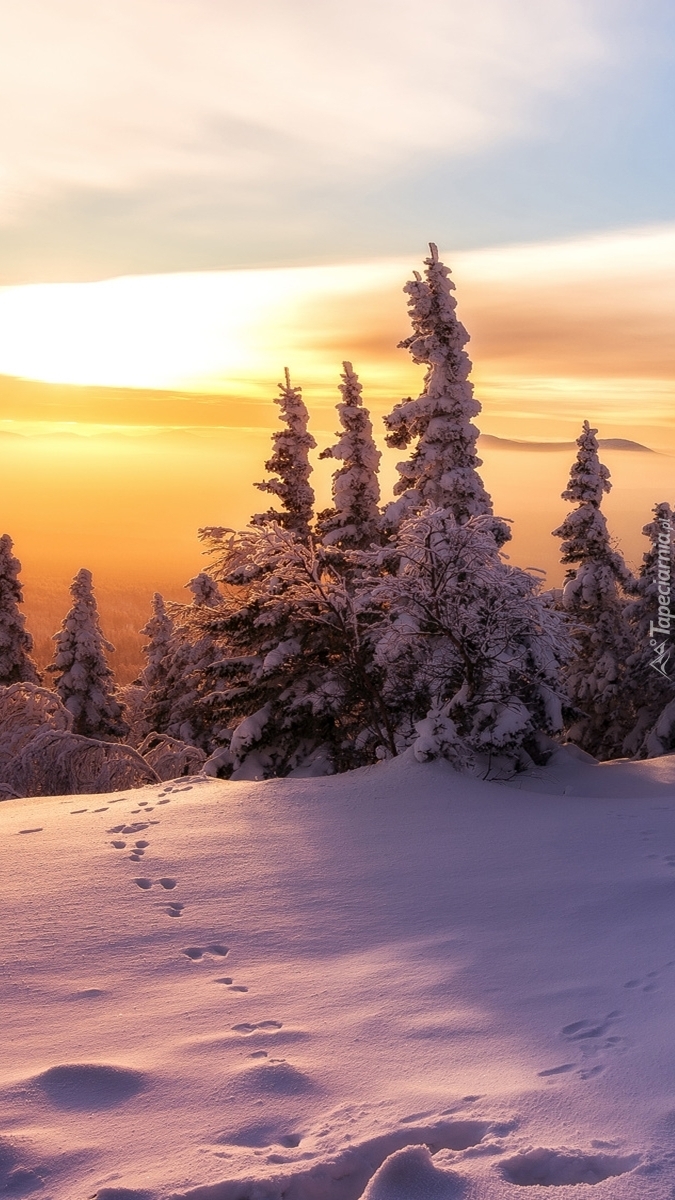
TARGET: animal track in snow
(557,1070)
(134,827)
(166,883)
(75,812)
(175,909)
(119,845)
(580,1031)
(196,953)
(647,983)
(592,1037)
(37,830)
(246,1027)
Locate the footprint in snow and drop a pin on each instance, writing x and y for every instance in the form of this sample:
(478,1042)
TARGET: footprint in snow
(647,983)
(581,1031)
(138,850)
(246,1028)
(592,1037)
(175,909)
(166,883)
(563,1070)
(196,953)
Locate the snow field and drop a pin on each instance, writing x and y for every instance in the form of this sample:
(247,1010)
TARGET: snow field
(399,981)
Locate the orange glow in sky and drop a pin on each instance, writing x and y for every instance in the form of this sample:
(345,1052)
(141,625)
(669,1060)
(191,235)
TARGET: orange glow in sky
(168,423)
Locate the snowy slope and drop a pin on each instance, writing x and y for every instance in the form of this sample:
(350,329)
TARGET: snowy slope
(299,979)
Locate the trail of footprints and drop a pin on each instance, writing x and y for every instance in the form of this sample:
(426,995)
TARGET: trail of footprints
(592,1036)
(174,908)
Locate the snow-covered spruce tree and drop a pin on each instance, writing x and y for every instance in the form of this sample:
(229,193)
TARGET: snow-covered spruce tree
(594,596)
(297,683)
(290,464)
(442,470)
(173,702)
(465,637)
(353,521)
(159,632)
(136,697)
(650,677)
(84,681)
(16,664)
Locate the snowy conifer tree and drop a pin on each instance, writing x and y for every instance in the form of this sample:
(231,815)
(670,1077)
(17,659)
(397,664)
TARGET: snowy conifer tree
(442,469)
(465,638)
(353,521)
(651,673)
(16,664)
(296,681)
(595,597)
(159,631)
(179,681)
(290,463)
(84,681)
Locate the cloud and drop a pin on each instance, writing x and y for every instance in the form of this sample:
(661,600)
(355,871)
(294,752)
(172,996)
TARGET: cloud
(118,95)
(559,332)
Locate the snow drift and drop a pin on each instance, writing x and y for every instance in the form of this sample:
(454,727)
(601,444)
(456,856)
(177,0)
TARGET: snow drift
(400,981)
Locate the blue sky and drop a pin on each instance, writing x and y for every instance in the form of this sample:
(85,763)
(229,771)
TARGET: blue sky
(168,135)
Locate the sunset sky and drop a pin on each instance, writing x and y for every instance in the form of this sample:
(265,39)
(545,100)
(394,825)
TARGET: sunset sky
(196,193)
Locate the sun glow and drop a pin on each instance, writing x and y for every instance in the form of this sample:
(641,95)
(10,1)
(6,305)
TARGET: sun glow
(559,331)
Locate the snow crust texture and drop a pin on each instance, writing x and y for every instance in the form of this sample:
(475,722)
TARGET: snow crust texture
(398,984)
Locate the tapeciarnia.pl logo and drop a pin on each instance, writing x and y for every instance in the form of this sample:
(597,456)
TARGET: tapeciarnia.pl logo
(659,630)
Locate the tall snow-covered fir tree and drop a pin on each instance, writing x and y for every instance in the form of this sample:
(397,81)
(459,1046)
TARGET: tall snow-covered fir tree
(442,469)
(353,521)
(84,681)
(16,664)
(651,667)
(594,595)
(290,464)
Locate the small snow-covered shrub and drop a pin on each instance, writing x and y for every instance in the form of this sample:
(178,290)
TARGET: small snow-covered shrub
(58,763)
(171,758)
(25,709)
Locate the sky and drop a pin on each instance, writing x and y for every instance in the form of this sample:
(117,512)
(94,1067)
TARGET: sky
(197,193)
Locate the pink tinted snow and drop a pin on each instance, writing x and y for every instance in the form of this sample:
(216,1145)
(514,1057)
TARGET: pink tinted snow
(413,959)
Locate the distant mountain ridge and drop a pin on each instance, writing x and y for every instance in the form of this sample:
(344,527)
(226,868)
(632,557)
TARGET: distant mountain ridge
(501,443)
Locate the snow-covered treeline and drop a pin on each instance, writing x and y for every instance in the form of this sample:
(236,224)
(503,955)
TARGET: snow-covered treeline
(318,643)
